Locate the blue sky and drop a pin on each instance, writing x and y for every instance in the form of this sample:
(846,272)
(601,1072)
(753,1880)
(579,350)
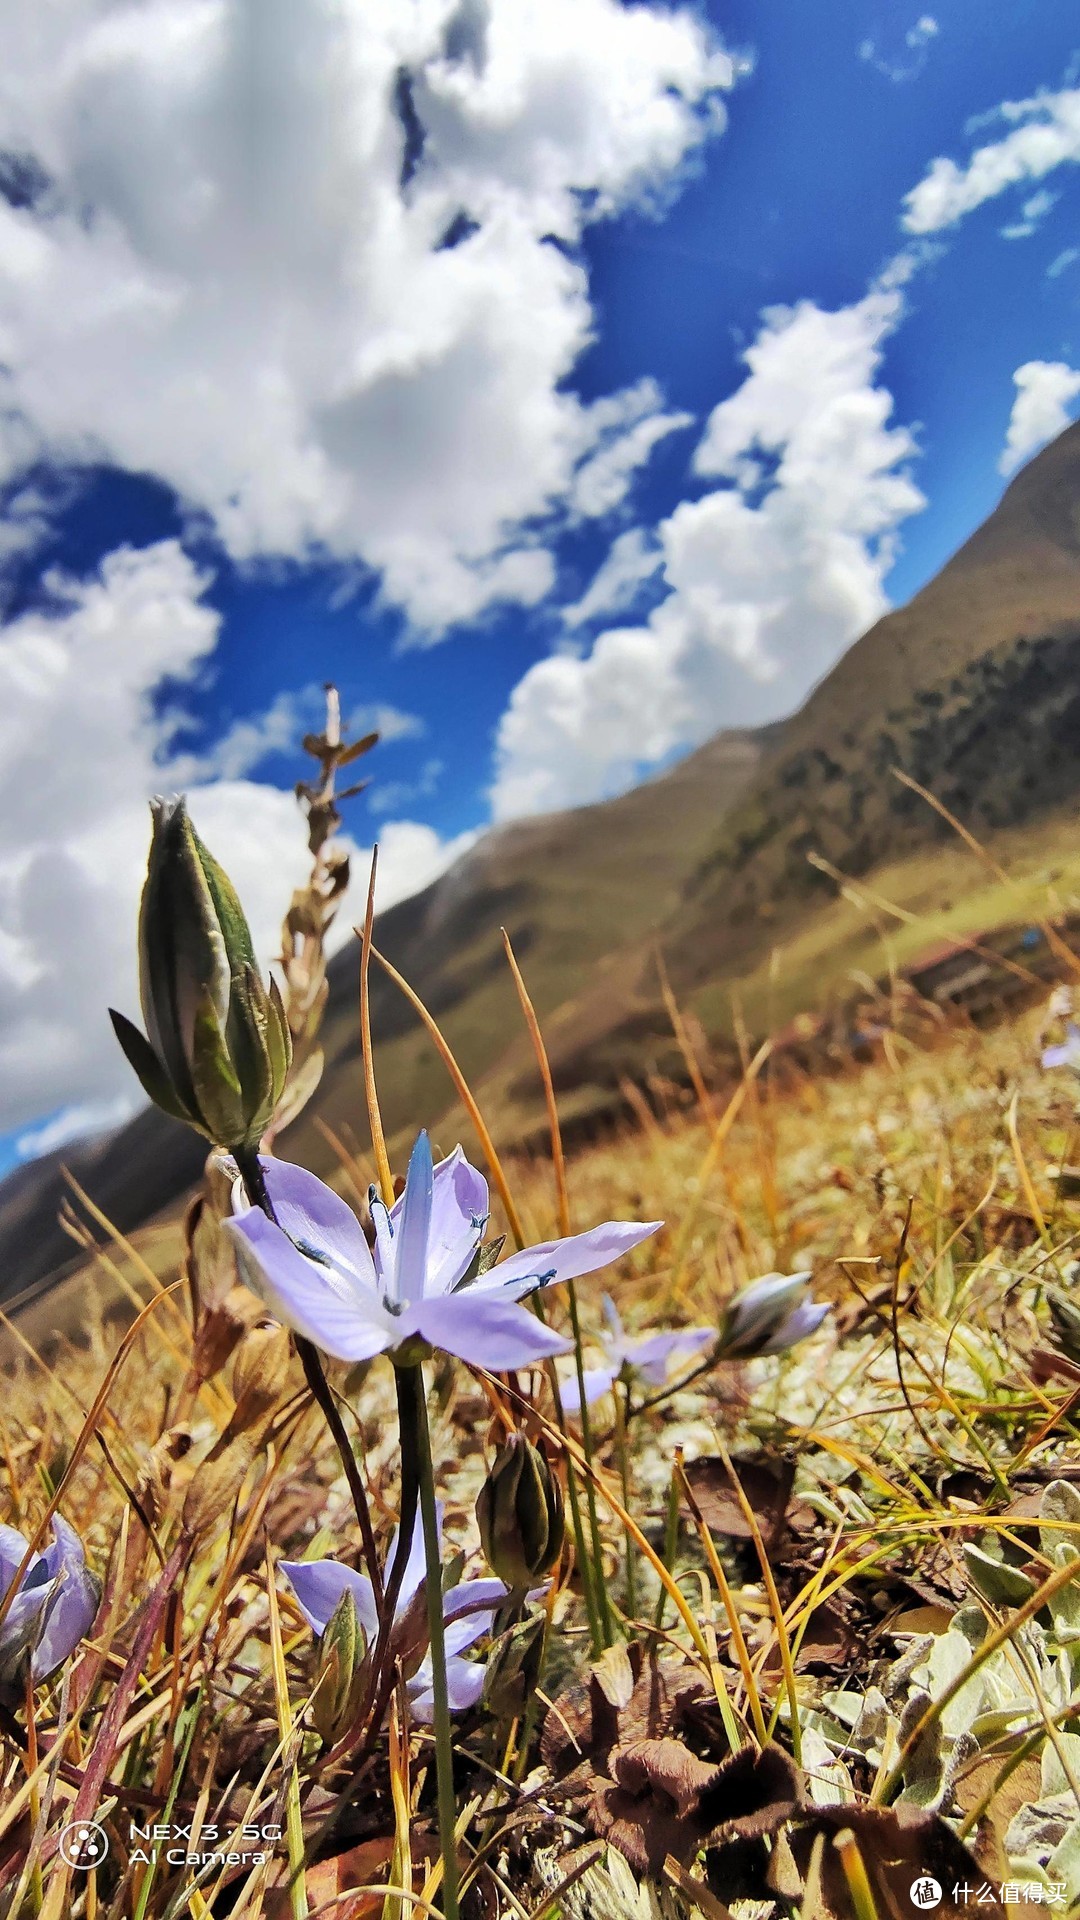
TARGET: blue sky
(606,413)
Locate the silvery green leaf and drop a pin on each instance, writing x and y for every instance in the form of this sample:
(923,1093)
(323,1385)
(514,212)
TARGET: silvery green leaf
(1064,1862)
(924,1767)
(996,1580)
(1058,1754)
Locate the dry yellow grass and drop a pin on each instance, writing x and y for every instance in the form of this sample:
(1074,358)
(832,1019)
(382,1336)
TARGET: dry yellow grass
(943,1152)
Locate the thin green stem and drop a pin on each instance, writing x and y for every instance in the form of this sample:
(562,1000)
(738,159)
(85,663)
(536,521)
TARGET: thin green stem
(584,1564)
(607,1630)
(581,1557)
(416,1443)
(621,1395)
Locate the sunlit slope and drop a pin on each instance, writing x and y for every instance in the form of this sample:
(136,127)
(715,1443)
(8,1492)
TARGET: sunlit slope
(973,689)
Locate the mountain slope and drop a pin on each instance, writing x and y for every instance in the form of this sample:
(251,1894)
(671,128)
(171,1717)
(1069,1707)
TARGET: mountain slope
(570,888)
(973,689)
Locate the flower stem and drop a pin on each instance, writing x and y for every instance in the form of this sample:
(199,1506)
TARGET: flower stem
(318,1385)
(621,1394)
(607,1631)
(416,1447)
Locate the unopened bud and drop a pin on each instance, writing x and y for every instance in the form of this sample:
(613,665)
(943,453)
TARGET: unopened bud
(341,1675)
(520,1515)
(770,1315)
(217,1047)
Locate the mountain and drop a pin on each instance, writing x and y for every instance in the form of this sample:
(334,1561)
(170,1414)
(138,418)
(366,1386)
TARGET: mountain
(973,689)
(570,889)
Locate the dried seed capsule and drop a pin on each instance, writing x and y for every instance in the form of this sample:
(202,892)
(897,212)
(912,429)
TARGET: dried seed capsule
(520,1515)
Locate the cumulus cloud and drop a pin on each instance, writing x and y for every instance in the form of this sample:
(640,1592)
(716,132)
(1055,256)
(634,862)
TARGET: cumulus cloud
(83,745)
(1044,134)
(1040,410)
(770,575)
(634,558)
(622,431)
(314,265)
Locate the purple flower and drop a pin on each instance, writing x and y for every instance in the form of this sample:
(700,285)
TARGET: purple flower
(421,1286)
(1068,1054)
(769,1316)
(468,1611)
(52,1610)
(649,1357)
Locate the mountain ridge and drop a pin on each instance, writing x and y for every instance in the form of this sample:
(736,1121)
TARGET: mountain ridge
(972,688)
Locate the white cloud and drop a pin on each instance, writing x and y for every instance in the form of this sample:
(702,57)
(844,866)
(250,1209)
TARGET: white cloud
(389,795)
(75,1122)
(634,558)
(909,65)
(390,723)
(232,264)
(1040,410)
(1062,262)
(623,430)
(1032,213)
(246,742)
(82,747)
(1045,134)
(770,577)
(411,856)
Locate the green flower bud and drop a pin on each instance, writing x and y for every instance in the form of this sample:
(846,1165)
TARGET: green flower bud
(512,1669)
(520,1515)
(341,1672)
(217,1046)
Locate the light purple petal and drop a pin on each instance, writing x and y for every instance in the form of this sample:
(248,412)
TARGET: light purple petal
(22,1621)
(12,1552)
(614,1331)
(473,1599)
(327,1306)
(319,1585)
(482,1330)
(1067,1055)
(416,1564)
(314,1217)
(462,1634)
(597,1381)
(459,1212)
(464,1686)
(72,1604)
(651,1356)
(413,1225)
(556,1260)
(798,1325)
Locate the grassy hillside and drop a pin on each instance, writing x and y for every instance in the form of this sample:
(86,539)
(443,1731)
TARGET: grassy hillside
(973,689)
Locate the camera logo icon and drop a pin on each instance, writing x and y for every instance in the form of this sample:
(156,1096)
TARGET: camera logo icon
(83,1844)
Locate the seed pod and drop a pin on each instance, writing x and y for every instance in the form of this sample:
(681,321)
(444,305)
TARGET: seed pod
(342,1657)
(217,1046)
(520,1515)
